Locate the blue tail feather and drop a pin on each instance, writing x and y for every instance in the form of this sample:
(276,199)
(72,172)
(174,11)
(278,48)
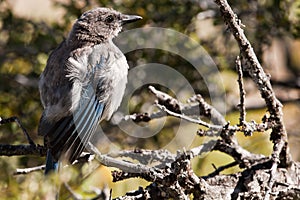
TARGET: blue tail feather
(51,164)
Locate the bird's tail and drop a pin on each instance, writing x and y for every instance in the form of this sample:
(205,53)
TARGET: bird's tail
(51,164)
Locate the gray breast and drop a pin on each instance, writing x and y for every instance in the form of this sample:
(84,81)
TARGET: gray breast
(106,69)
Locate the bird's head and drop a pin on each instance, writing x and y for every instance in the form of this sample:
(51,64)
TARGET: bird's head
(100,24)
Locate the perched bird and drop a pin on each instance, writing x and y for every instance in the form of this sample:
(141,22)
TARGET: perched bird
(83,83)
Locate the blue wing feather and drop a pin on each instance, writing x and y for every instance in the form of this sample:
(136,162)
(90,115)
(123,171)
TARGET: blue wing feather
(69,135)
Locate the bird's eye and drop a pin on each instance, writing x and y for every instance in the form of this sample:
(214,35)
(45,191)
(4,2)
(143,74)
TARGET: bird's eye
(109,19)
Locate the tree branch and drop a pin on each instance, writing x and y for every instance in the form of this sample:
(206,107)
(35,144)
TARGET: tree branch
(278,135)
(18,150)
(16,120)
(242,91)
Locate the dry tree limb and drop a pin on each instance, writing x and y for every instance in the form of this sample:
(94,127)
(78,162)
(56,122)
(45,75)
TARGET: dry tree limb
(280,154)
(227,143)
(16,150)
(222,168)
(242,91)
(207,110)
(23,149)
(29,170)
(147,157)
(111,162)
(16,120)
(278,136)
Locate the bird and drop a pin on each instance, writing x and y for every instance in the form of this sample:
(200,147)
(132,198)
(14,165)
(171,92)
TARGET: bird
(83,83)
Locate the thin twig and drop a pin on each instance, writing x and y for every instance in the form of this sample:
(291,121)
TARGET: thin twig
(164,99)
(242,91)
(29,170)
(16,120)
(290,187)
(207,110)
(196,106)
(222,168)
(204,148)
(192,120)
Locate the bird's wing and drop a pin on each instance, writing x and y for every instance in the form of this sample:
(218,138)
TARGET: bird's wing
(69,135)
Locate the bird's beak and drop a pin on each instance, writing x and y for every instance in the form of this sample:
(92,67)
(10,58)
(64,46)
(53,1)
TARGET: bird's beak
(130,18)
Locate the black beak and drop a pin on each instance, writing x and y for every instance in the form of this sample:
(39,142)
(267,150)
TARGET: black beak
(130,18)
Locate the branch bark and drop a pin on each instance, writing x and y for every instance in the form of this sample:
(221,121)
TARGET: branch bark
(18,150)
(278,135)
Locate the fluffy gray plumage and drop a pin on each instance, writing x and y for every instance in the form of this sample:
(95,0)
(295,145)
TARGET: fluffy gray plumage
(83,82)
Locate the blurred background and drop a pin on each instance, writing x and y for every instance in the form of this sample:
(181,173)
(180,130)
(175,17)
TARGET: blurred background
(30,29)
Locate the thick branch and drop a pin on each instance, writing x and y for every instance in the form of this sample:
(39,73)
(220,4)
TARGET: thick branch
(278,135)
(148,157)
(123,165)
(19,150)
